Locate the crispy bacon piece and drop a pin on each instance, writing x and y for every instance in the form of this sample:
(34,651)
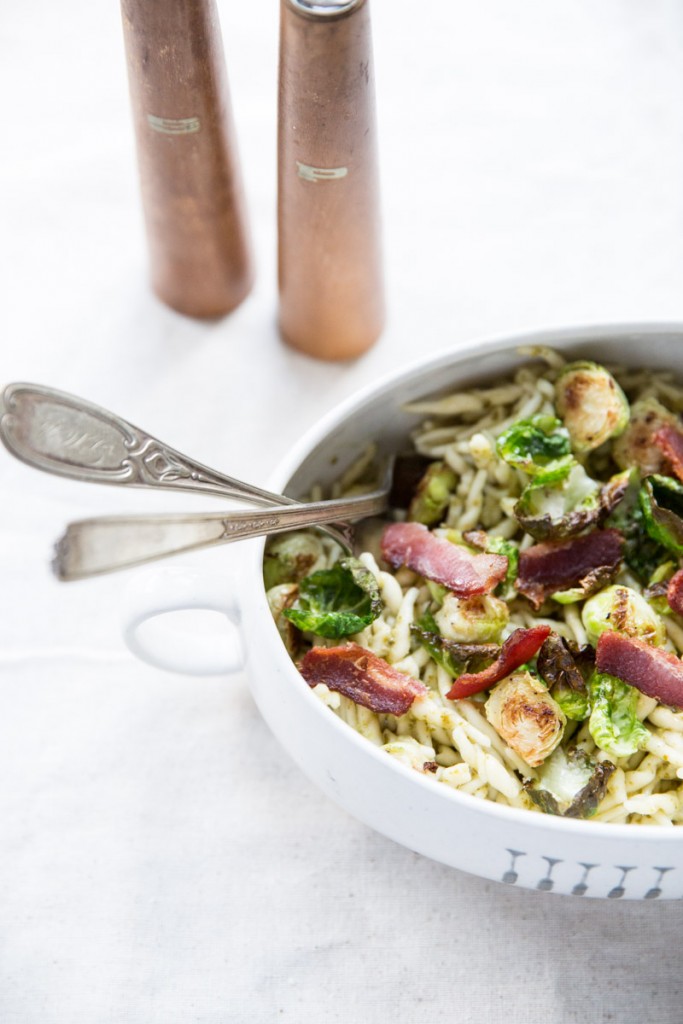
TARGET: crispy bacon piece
(588,561)
(362,676)
(674,592)
(437,559)
(519,647)
(669,440)
(651,670)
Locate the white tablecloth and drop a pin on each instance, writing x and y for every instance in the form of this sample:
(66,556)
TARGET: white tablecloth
(161,860)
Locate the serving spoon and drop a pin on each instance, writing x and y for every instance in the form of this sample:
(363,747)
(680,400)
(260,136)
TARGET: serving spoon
(68,436)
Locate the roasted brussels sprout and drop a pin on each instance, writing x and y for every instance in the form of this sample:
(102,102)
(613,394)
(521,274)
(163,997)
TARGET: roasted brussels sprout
(291,556)
(623,610)
(522,711)
(474,620)
(433,494)
(591,404)
(635,446)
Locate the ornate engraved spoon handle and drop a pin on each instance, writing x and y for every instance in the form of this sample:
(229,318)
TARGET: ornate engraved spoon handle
(62,434)
(94,546)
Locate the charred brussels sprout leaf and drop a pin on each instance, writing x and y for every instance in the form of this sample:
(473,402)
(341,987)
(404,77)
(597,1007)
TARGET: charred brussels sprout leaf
(586,801)
(551,510)
(336,602)
(534,444)
(661,503)
(563,677)
(614,724)
(570,783)
(454,657)
(591,404)
(433,495)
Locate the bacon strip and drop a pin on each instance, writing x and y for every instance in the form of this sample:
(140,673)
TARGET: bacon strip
(362,676)
(651,670)
(519,647)
(674,592)
(437,559)
(669,440)
(587,561)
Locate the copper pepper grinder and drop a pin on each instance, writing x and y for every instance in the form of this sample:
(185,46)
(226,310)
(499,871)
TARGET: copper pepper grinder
(330,276)
(190,180)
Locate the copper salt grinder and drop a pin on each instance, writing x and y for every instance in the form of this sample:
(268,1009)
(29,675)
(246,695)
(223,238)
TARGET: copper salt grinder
(189,173)
(330,275)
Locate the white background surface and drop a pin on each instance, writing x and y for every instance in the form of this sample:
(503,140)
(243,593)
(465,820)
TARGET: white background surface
(161,860)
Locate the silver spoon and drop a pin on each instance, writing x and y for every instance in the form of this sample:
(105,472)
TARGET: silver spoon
(61,434)
(90,547)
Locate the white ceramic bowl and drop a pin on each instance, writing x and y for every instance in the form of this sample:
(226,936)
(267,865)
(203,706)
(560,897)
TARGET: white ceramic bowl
(517,847)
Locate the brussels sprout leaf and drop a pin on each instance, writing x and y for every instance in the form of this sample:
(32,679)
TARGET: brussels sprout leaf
(336,602)
(613,723)
(534,444)
(563,677)
(549,510)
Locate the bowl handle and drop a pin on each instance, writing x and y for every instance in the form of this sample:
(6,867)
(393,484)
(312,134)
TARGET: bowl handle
(165,621)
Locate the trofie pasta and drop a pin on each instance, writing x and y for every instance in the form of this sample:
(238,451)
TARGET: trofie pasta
(516,632)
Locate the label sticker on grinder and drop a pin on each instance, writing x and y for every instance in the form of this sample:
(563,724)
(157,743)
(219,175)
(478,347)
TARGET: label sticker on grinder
(309,173)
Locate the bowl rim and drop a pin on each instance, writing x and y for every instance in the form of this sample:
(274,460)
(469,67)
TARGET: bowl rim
(321,428)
